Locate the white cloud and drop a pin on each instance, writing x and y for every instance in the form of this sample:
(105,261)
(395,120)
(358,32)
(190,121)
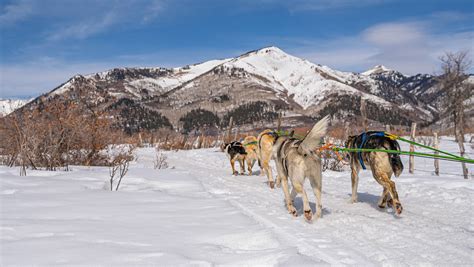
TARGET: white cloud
(319,5)
(15,12)
(309,5)
(86,28)
(394,34)
(152,10)
(410,47)
(81,19)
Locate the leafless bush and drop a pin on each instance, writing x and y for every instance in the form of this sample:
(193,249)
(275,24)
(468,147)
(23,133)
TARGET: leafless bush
(119,161)
(330,161)
(55,136)
(425,140)
(160,161)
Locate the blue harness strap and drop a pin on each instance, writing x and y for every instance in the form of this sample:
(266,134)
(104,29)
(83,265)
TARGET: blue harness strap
(359,154)
(365,136)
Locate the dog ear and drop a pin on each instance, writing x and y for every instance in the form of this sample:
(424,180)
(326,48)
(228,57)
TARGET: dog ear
(313,138)
(292,133)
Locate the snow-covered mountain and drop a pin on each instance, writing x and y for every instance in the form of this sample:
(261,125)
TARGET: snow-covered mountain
(376,70)
(139,82)
(7,106)
(261,83)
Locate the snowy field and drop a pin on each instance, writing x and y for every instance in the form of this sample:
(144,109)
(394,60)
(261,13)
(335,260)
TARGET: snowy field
(196,213)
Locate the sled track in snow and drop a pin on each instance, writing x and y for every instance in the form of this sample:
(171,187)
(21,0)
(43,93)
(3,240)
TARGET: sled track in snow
(415,235)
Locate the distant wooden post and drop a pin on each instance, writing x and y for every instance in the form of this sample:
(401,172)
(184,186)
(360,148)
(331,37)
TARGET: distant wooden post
(201,140)
(229,131)
(465,172)
(166,140)
(363,114)
(237,134)
(279,122)
(411,162)
(387,128)
(140,139)
(436,160)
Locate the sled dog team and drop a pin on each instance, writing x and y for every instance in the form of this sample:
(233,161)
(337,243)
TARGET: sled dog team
(297,160)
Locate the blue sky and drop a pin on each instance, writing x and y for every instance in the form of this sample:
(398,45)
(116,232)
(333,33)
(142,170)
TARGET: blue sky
(43,43)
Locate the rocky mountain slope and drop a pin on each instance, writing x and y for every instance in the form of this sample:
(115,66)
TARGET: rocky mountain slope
(252,88)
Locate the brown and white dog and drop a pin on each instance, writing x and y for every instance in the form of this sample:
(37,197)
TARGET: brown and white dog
(266,139)
(235,151)
(297,160)
(251,146)
(382,165)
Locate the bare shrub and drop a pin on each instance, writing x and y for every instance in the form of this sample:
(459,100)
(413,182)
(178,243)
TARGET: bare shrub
(55,136)
(425,140)
(119,160)
(330,161)
(160,161)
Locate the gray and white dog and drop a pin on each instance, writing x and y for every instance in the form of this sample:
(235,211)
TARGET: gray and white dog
(297,160)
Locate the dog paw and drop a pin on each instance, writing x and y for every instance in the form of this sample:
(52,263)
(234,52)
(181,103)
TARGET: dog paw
(398,208)
(308,215)
(390,203)
(272,184)
(292,211)
(352,201)
(235,173)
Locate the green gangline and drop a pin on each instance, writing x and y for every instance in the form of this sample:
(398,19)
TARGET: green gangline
(419,154)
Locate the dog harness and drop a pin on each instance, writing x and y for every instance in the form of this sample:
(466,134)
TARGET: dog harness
(365,136)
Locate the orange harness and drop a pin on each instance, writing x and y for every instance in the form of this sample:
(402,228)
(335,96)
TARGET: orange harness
(330,147)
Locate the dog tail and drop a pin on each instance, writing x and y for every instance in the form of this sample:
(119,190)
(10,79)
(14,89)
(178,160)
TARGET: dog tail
(241,150)
(313,138)
(395,161)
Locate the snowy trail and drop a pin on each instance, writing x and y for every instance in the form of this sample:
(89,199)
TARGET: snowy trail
(436,226)
(254,198)
(197,213)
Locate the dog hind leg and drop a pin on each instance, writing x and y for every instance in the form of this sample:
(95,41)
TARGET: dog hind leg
(383,199)
(298,186)
(288,198)
(242,166)
(249,165)
(268,171)
(385,181)
(278,181)
(393,193)
(354,182)
(232,164)
(316,184)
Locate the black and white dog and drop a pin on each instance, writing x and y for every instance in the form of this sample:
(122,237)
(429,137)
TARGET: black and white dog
(236,151)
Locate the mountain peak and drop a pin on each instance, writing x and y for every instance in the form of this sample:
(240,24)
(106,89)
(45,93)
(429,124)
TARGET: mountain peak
(376,70)
(270,49)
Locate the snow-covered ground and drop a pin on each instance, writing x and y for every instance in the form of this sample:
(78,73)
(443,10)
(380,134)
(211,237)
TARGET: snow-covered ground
(196,213)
